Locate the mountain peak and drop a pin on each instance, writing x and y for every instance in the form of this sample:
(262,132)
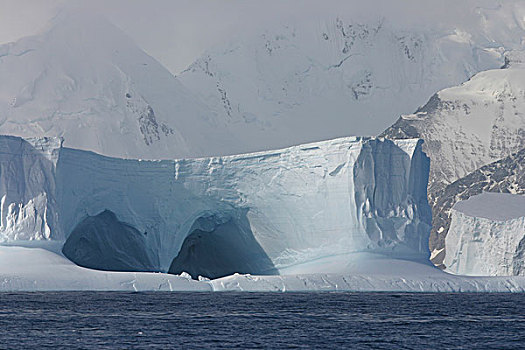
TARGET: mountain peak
(85,80)
(79,14)
(83,27)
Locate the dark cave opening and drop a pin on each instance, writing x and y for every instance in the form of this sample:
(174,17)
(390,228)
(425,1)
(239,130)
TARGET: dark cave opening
(217,247)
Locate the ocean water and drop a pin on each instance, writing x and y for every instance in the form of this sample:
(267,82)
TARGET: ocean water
(96,320)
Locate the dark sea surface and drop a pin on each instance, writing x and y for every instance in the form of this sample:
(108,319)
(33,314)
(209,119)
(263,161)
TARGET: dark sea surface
(96,320)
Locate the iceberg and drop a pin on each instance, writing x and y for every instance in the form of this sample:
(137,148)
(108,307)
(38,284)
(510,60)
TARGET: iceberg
(257,213)
(344,214)
(486,236)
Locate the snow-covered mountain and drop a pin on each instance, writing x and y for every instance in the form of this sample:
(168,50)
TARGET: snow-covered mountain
(300,81)
(303,81)
(85,80)
(471,125)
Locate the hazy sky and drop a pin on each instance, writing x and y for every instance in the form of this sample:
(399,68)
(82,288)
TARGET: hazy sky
(176,32)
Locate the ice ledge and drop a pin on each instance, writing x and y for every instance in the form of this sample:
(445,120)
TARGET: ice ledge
(442,283)
(39,273)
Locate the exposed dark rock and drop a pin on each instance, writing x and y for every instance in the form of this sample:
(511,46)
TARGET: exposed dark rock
(149,127)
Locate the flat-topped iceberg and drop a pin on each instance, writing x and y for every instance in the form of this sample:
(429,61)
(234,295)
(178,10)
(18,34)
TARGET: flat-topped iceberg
(252,213)
(487,236)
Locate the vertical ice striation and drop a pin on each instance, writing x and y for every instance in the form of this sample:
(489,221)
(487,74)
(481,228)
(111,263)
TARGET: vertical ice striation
(27,188)
(287,207)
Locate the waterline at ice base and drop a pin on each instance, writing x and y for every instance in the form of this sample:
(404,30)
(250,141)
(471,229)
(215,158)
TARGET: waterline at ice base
(345,214)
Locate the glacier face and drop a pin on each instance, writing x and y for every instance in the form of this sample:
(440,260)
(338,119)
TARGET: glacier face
(288,206)
(487,236)
(28,209)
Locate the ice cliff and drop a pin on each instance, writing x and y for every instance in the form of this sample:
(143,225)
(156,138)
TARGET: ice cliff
(253,213)
(487,236)
(28,208)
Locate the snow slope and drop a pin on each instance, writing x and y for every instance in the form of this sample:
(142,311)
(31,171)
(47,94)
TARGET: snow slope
(486,236)
(287,207)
